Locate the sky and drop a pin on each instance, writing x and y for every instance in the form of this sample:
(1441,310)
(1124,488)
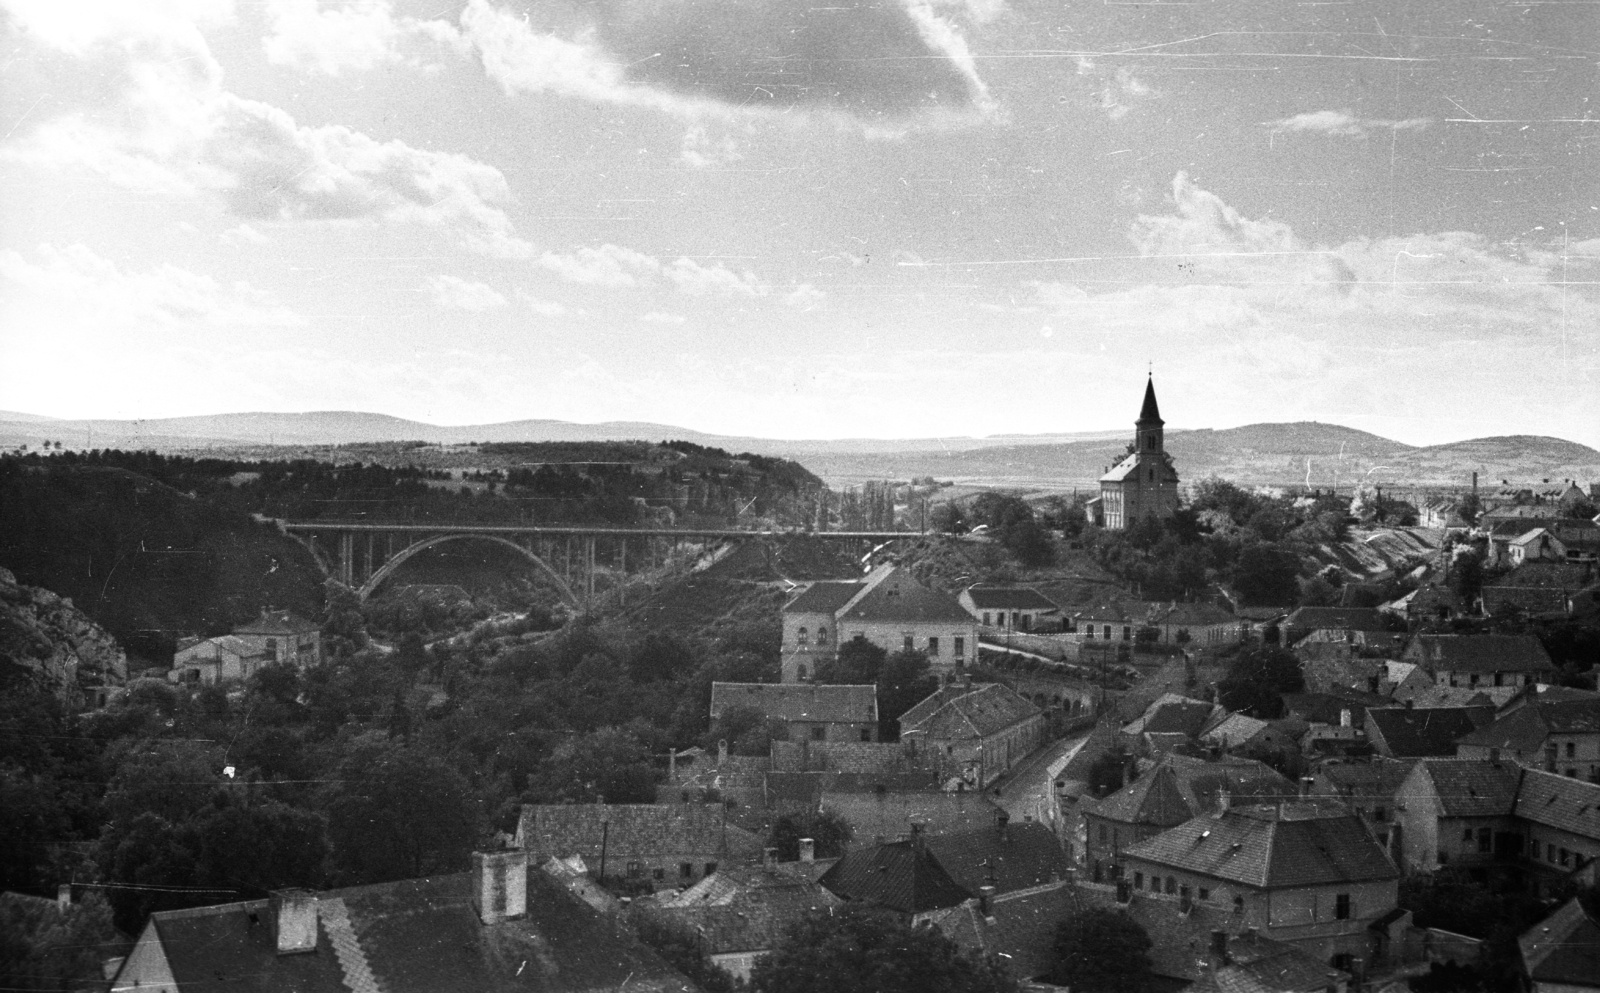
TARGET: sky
(896,218)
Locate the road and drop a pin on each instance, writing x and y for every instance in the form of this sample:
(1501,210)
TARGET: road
(1029,789)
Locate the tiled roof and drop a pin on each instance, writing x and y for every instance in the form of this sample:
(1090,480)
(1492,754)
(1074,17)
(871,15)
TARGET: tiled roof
(1425,733)
(823,598)
(1378,778)
(1202,782)
(900,875)
(1187,707)
(414,936)
(632,830)
(988,709)
(1020,928)
(1235,730)
(1454,697)
(1279,966)
(1526,728)
(1484,653)
(277,622)
(1179,718)
(1327,708)
(1559,802)
(1020,857)
(899,597)
(1473,789)
(1152,799)
(1336,618)
(822,702)
(743,910)
(1122,470)
(1260,847)
(1563,949)
(1009,598)
(888,815)
(1148,410)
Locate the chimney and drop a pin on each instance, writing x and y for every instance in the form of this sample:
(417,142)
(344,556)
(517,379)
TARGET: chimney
(500,885)
(1305,787)
(808,850)
(917,839)
(1344,717)
(1224,801)
(722,752)
(64,897)
(1219,949)
(1474,482)
(672,765)
(294,920)
(1001,821)
(986,899)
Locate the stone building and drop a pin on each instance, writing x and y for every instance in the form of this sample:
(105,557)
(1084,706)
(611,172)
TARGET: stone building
(667,845)
(1144,484)
(975,732)
(809,712)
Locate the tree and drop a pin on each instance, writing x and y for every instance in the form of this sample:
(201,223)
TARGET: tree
(1258,677)
(611,762)
(1266,576)
(856,949)
(1107,774)
(747,731)
(42,948)
(857,662)
(948,518)
(397,812)
(830,832)
(1029,542)
(1103,950)
(904,680)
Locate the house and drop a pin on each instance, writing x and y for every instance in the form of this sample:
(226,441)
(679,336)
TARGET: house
(497,928)
(810,711)
(1561,954)
(1430,602)
(1171,713)
(1560,736)
(1561,818)
(283,637)
(1444,512)
(1249,962)
(212,661)
(1458,812)
(1018,929)
(1177,623)
(1144,485)
(977,731)
(1539,589)
(1367,786)
(667,845)
(1480,659)
(1404,733)
(1011,608)
(1365,627)
(740,914)
(1332,666)
(1008,857)
(903,876)
(877,815)
(1177,789)
(888,608)
(1298,873)
(1537,545)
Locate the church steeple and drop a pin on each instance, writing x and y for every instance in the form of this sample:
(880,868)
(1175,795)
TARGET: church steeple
(1147,429)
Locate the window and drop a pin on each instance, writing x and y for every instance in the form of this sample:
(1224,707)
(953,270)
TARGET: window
(1088,632)
(1103,834)
(1466,835)
(1183,892)
(710,868)
(660,875)
(933,647)
(1205,894)
(1138,880)
(634,869)
(800,672)
(908,643)
(1485,841)
(1238,904)
(686,869)
(961,646)
(1014,617)
(802,637)
(819,733)
(986,619)
(1572,773)
(1172,885)
(866,734)
(1108,632)
(1380,814)
(1550,854)
(1566,856)
(272,646)
(1127,633)
(1341,906)
(822,636)
(1572,750)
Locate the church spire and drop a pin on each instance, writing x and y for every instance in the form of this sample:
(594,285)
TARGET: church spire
(1150,412)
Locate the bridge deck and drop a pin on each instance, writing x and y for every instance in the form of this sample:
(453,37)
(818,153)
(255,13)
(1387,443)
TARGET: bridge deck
(576,531)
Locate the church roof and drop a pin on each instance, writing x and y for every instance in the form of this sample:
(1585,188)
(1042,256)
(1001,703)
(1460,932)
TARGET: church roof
(1150,412)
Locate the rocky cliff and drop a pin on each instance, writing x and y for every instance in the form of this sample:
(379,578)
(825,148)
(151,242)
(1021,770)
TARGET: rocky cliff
(53,642)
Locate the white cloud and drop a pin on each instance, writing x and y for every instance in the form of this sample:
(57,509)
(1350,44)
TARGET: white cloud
(805,297)
(1120,90)
(79,28)
(700,151)
(615,266)
(73,285)
(697,280)
(243,234)
(354,35)
(1343,123)
(179,133)
(542,307)
(663,318)
(460,294)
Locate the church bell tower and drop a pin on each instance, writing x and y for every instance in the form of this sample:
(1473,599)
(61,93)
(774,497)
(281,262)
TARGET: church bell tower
(1147,429)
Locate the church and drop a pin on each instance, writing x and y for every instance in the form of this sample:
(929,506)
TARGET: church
(1144,484)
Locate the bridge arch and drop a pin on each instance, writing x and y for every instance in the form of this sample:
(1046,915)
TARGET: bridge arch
(388,568)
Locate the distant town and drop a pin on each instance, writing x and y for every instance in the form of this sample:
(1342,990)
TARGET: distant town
(610,714)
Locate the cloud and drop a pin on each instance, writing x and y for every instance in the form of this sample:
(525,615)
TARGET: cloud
(355,35)
(893,61)
(1343,123)
(544,308)
(615,266)
(82,27)
(700,151)
(805,297)
(244,234)
(663,318)
(1120,90)
(178,132)
(455,293)
(69,282)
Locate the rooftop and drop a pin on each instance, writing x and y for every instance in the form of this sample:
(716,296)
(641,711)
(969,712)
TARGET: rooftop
(1339,618)
(845,704)
(986,709)
(630,830)
(823,598)
(1426,733)
(901,875)
(898,597)
(1563,949)
(1473,789)
(1526,728)
(1483,653)
(1271,847)
(1560,802)
(1009,598)
(277,622)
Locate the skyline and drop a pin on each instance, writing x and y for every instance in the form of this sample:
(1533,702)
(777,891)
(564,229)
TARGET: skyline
(898,219)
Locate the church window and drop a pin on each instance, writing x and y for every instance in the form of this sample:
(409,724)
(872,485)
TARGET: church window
(822,636)
(802,637)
